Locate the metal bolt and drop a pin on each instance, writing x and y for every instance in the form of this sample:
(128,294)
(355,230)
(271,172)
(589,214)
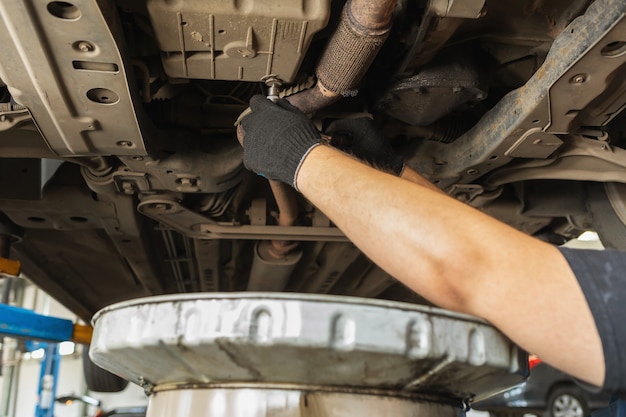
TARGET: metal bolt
(472,171)
(137,158)
(128,187)
(273,83)
(124,143)
(161,206)
(146,385)
(245,53)
(187,182)
(578,79)
(85,46)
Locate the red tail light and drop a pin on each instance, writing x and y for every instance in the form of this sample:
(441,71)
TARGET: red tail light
(533,361)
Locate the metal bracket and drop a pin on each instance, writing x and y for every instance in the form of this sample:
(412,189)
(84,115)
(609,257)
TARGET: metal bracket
(171,213)
(535,143)
(466,192)
(580,159)
(577,71)
(10,119)
(131,182)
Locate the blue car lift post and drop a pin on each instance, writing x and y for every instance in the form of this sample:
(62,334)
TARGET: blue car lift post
(48,332)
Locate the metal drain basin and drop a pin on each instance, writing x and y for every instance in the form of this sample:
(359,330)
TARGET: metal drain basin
(246,402)
(306,343)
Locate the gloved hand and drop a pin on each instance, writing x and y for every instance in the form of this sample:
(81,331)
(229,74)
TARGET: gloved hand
(276,137)
(361,138)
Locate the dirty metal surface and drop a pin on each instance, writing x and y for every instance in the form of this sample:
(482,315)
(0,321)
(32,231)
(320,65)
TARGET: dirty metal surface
(287,403)
(296,341)
(170,212)
(565,93)
(243,40)
(74,86)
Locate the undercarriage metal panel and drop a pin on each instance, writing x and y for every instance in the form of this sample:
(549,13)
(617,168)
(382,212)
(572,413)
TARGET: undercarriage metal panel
(86,251)
(240,40)
(29,175)
(579,159)
(62,62)
(79,268)
(581,64)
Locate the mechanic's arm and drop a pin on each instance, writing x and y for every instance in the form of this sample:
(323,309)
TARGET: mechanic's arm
(448,252)
(459,258)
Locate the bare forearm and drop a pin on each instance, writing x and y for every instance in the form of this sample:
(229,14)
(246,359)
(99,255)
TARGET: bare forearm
(409,228)
(459,258)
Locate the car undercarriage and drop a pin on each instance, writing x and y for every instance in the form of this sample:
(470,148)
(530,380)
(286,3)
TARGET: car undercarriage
(121,175)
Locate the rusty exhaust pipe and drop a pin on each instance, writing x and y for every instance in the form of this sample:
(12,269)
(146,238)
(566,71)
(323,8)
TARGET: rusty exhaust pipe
(364,27)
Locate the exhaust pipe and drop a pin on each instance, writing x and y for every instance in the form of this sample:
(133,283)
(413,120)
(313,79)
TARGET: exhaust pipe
(364,27)
(269,273)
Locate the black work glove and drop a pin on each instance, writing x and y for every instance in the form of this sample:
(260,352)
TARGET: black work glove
(361,138)
(276,138)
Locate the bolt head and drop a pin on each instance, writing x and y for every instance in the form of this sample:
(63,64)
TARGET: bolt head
(128,187)
(161,206)
(85,46)
(187,182)
(245,53)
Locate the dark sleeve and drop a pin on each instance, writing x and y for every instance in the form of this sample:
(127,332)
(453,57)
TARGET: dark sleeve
(601,275)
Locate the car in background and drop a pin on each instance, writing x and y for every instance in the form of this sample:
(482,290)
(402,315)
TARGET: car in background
(547,392)
(132,411)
